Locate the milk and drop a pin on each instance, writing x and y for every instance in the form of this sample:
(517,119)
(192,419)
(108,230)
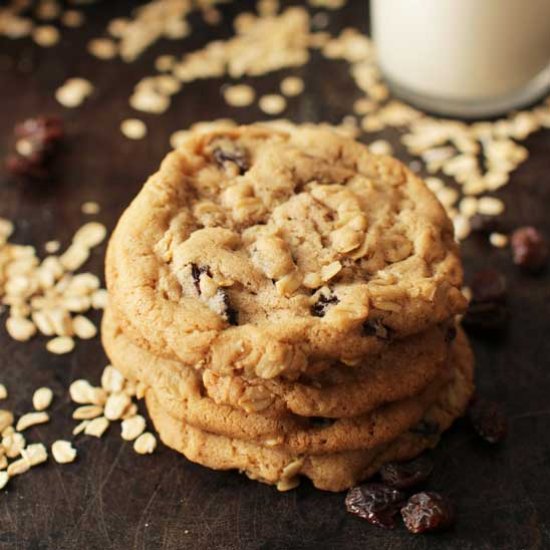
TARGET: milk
(464,57)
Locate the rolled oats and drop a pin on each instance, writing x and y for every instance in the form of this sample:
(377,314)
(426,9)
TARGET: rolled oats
(87,412)
(3,392)
(116,404)
(96,427)
(146,443)
(63,452)
(42,399)
(133,128)
(133,427)
(31,419)
(272,104)
(60,345)
(84,328)
(35,454)
(20,329)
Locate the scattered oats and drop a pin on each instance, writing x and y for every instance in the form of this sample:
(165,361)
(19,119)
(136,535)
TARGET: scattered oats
(63,452)
(239,95)
(146,443)
(364,106)
(51,247)
(372,123)
(13,444)
(79,428)
(42,399)
(45,36)
(165,63)
(149,101)
(48,10)
(4,478)
(35,454)
(292,86)
(102,48)
(133,128)
(468,206)
(81,392)
(499,240)
(3,461)
(6,229)
(116,404)
(3,392)
(20,329)
(90,234)
(100,298)
(447,196)
(90,208)
(490,206)
(31,419)
(328,4)
(462,227)
(18,467)
(6,420)
(272,104)
(467,293)
(133,427)
(84,328)
(381,147)
(60,345)
(73,92)
(72,18)
(131,411)
(267,7)
(87,412)
(97,427)
(112,380)
(117,27)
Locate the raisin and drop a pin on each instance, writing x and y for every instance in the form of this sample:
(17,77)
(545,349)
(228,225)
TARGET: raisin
(403,475)
(375,327)
(487,311)
(529,249)
(488,285)
(428,511)
(425,428)
(375,502)
(196,272)
(36,140)
(320,308)
(488,420)
(231,314)
(486,317)
(227,151)
(450,335)
(320,422)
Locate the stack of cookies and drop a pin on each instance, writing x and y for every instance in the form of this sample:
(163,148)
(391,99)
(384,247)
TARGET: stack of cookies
(289,299)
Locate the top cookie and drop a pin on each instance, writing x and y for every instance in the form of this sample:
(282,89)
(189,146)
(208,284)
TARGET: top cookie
(256,250)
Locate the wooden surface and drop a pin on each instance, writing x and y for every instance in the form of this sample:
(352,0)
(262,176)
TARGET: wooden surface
(112,498)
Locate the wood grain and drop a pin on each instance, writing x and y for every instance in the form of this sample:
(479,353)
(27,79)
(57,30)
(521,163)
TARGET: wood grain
(112,498)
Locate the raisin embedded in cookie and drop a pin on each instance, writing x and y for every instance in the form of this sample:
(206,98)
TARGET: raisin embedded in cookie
(252,251)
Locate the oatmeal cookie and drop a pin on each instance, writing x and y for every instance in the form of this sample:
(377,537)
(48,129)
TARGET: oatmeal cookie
(253,251)
(331,471)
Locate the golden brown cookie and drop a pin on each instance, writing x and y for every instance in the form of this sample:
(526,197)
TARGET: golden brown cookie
(333,471)
(261,252)
(336,391)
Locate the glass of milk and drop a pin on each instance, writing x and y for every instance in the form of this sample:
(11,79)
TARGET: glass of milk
(467,58)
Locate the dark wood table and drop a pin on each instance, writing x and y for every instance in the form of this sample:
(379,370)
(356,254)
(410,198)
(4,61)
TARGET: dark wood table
(112,498)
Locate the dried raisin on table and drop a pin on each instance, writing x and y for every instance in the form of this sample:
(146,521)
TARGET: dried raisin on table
(487,311)
(428,511)
(488,420)
(404,475)
(529,249)
(375,502)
